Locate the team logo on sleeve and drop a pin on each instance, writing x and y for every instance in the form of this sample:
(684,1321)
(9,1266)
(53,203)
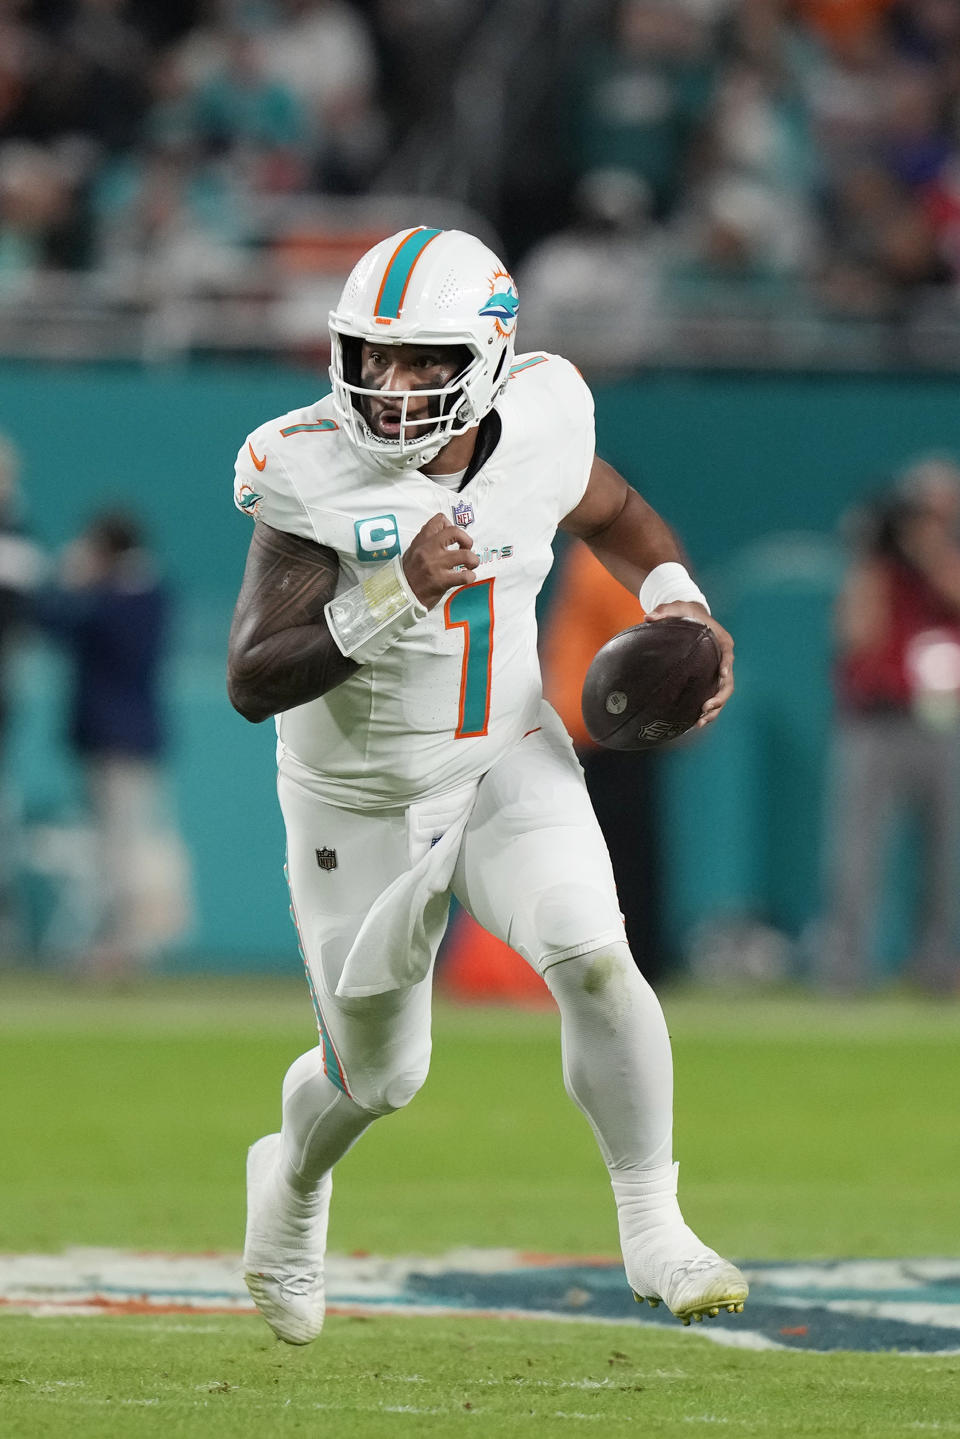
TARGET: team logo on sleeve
(377,538)
(248,500)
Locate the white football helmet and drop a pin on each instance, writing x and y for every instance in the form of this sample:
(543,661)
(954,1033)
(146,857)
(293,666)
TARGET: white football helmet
(424,287)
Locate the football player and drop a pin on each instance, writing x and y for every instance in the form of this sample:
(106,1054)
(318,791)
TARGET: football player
(403,529)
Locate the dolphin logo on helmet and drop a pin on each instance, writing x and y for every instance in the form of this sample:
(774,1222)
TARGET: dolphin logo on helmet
(424,287)
(503,302)
(502,306)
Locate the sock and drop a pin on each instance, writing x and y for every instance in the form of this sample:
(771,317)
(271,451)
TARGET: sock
(648,1211)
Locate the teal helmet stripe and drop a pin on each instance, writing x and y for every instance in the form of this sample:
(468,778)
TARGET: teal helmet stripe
(396,278)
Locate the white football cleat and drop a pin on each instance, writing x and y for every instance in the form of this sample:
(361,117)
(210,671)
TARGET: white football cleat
(665,1261)
(691,1288)
(285,1244)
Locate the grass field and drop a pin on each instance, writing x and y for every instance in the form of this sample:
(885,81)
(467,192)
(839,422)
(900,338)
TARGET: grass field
(803,1130)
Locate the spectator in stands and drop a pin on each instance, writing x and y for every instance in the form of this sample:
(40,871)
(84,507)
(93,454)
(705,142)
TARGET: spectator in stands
(914,139)
(897,744)
(745,233)
(200,50)
(166,218)
(253,120)
(111,611)
(587,608)
(596,286)
(883,246)
(840,23)
(941,207)
(91,80)
(21,567)
(845,77)
(41,228)
(642,96)
(323,49)
(21,48)
(759,129)
(928,31)
(417,40)
(738,250)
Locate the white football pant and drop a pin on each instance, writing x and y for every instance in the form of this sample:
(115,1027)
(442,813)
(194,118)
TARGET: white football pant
(532,869)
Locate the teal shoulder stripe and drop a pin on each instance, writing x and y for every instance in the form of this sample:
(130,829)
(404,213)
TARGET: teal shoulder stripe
(315,427)
(537,360)
(397,275)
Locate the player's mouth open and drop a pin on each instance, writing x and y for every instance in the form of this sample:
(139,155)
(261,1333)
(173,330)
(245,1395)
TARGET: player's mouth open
(387,424)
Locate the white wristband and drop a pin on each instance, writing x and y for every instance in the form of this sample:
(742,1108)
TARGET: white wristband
(668,583)
(366,619)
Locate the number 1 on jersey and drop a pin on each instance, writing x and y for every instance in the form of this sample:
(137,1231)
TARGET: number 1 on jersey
(471,608)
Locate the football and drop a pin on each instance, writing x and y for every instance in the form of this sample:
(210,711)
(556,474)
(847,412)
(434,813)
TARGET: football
(648,684)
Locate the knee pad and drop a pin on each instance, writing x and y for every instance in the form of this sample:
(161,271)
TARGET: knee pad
(307,1089)
(565,920)
(378,1048)
(606,977)
(308,1092)
(386,1093)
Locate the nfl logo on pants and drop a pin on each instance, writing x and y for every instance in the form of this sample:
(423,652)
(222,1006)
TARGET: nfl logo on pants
(327,858)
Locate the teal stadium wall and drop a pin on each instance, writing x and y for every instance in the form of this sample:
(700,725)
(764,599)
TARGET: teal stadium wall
(754,470)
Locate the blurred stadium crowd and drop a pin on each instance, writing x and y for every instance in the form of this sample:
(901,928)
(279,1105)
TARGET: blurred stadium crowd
(669,178)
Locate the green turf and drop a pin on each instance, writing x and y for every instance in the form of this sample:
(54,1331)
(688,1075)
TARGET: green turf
(112,1378)
(804,1129)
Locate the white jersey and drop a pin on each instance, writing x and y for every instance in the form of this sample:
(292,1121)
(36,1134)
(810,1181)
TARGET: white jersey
(460,687)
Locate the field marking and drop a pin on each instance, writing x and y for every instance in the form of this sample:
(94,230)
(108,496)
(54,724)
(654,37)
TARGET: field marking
(910,1306)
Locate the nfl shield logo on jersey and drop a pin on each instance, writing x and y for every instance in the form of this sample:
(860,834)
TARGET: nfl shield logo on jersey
(463,514)
(327,858)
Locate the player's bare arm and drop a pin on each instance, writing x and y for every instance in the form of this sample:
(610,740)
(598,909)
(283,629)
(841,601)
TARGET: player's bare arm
(630,539)
(626,534)
(281,652)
